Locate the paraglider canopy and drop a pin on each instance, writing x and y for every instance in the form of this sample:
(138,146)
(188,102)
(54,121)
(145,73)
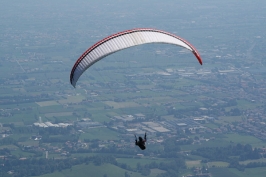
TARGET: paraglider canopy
(123,40)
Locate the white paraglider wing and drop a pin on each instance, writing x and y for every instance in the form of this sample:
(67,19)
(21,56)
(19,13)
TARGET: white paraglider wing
(122,41)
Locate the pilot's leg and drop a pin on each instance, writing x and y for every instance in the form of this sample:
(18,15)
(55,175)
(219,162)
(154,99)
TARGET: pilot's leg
(145,137)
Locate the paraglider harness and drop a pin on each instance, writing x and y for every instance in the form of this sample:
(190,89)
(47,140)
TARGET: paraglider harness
(141,142)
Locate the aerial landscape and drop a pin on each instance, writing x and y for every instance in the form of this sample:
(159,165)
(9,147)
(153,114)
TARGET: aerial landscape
(204,120)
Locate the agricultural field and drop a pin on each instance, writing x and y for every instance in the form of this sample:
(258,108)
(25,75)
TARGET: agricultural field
(99,133)
(195,163)
(218,164)
(220,172)
(85,170)
(245,139)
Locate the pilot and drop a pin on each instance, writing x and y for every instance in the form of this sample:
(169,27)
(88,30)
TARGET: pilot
(141,142)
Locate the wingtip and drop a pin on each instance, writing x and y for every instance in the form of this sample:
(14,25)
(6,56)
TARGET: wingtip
(198,57)
(73,85)
(201,62)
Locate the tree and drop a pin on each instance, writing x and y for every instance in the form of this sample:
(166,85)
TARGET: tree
(126,174)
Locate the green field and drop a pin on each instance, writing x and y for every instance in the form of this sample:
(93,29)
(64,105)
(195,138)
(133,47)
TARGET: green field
(155,172)
(223,172)
(218,164)
(72,99)
(58,114)
(194,163)
(249,161)
(229,119)
(92,170)
(245,139)
(118,105)
(99,133)
(212,143)
(210,125)
(142,161)
(21,154)
(47,103)
(231,172)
